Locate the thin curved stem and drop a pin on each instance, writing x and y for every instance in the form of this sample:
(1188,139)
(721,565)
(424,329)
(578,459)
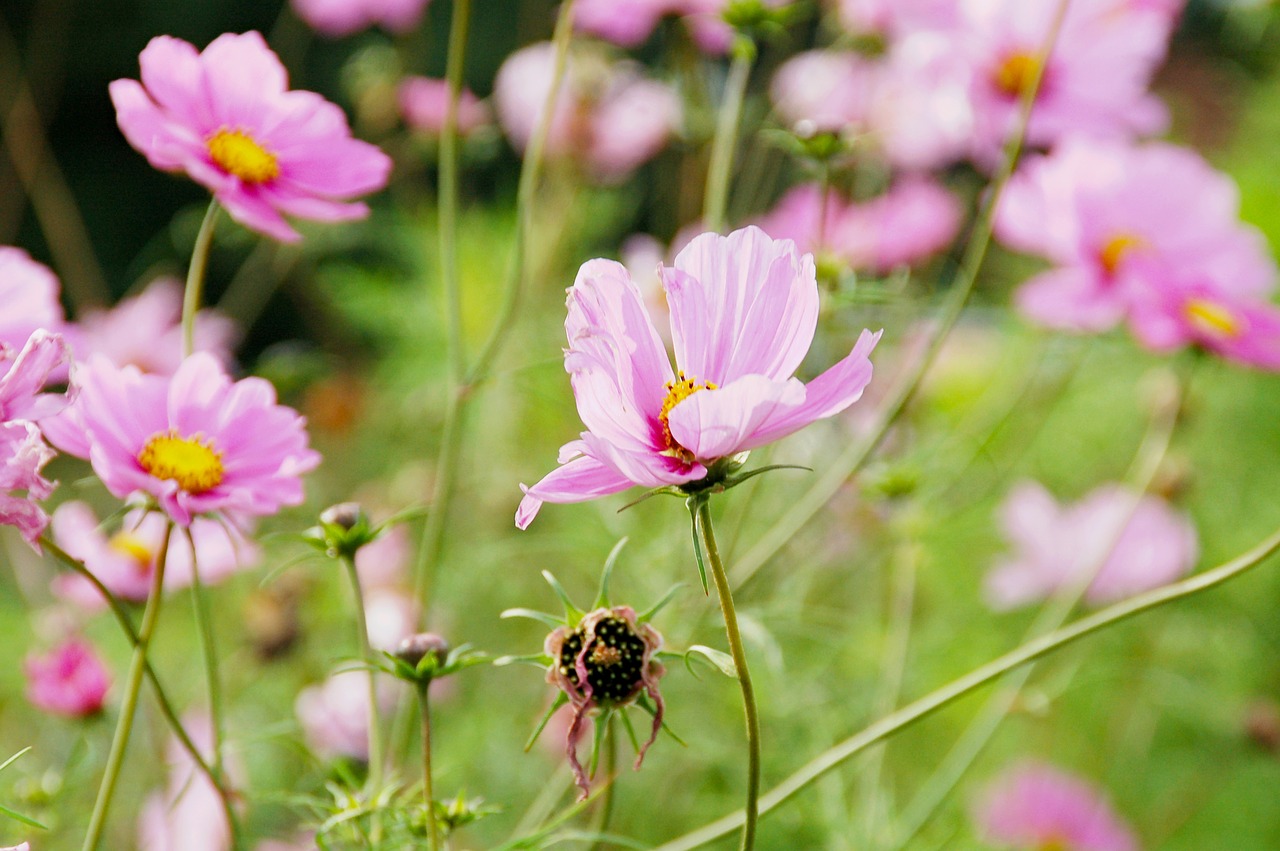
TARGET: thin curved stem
(803,509)
(428,793)
(209,649)
(366,654)
(722,146)
(133,687)
(447,199)
(195,278)
(611,775)
(702,519)
(924,707)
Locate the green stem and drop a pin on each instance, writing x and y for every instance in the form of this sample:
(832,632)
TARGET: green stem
(956,689)
(366,654)
(428,793)
(611,775)
(702,519)
(838,471)
(209,649)
(133,686)
(722,146)
(447,200)
(195,278)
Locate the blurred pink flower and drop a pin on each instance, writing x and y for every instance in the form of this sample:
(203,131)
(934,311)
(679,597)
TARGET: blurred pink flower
(606,115)
(338,18)
(915,219)
(829,90)
(1182,312)
(624,22)
(1095,82)
(895,18)
(146,331)
(1130,544)
(125,561)
(335,714)
(424,102)
(187,815)
(1113,218)
(391,616)
(384,561)
(743,312)
(196,442)
(70,680)
(28,297)
(1035,805)
(225,117)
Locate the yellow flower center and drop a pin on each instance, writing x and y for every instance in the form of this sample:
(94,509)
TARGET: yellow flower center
(132,546)
(677,391)
(238,153)
(1016,73)
(192,462)
(1117,248)
(1212,319)
(1054,844)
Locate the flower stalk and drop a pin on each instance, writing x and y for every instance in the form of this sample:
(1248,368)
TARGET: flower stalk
(726,135)
(195,278)
(209,649)
(366,654)
(428,792)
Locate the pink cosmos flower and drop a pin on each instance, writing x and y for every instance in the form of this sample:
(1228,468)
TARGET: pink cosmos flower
(1113,219)
(896,18)
(125,561)
(337,18)
(606,115)
(1095,82)
(196,442)
(146,331)
(1034,805)
(186,815)
(424,103)
(225,117)
(743,313)
(70,680)
(624,22)
(831,90)
(335,714)
(28,298)
(915,219)
(1129,544)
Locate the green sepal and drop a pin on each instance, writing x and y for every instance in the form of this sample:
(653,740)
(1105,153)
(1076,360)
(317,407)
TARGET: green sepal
(561,700)
(572,613)
(602,598)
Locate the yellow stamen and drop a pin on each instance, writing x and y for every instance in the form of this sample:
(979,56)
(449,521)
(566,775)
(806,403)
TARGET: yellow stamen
(605,656)
(1016,73)
(677,391)
(1117,248)
(1213,319)
(132,546)
(192,462)
(238,153)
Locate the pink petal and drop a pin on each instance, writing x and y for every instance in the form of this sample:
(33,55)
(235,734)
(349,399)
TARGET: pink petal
(715,423)
(576,480)
(1070,299)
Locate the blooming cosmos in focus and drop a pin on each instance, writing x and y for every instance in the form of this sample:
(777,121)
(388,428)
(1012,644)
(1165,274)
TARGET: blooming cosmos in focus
(1128,544)
(1038,806)
(196,442)
(70,680)
(225,117)
(743,312)
(344,17)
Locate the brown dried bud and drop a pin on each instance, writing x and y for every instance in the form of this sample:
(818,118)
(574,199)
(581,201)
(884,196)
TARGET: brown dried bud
(416,647)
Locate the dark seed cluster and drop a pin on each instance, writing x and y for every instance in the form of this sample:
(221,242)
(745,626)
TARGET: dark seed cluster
(614,660)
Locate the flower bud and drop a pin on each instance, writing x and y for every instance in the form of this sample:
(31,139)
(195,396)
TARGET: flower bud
(415,648)
(344,515)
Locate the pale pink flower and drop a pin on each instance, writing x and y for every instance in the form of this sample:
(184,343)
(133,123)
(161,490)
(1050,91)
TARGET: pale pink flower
(915,219)
(145,331)
(384,561)
(1095,82)
(1113,219)
(187,815)
(827,90)
(28,298)
(25,372)
(70,680)
(1184,312)
(424,103)
(896,18)
(225,117)
(391,616)
(1035,805)
(743,312)
(335,714)
(125,560)
(195,442)
(23,847)
(606,116)
(338,18)
(1128,544)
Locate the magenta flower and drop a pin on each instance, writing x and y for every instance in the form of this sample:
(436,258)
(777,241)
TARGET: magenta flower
(197,443)
(743,312)
(606,116)
(145,331)
(424,103)
(1128,545)
(1113,219)
(225,117)
(28,298)
(1038,806)
(624,22)
(338,18)
(70,680)
(125,561)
